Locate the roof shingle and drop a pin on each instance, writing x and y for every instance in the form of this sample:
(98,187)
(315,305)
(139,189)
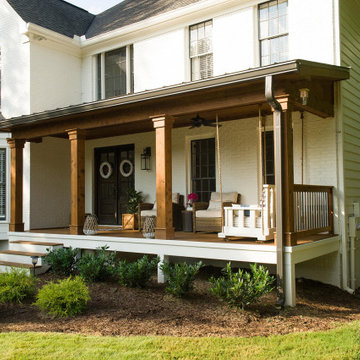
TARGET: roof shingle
(56,15)
(132,11)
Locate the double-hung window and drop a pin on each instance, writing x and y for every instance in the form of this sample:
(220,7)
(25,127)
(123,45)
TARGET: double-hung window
(201,50)
(115,72)
(273,32)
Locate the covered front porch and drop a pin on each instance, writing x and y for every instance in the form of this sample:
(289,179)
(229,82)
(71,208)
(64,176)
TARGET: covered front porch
(270,95)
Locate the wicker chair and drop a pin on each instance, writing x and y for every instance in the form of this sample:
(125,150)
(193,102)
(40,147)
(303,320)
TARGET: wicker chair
(147,209)
(207,215)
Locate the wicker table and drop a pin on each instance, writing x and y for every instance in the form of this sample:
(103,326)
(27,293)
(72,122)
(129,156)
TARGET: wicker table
(187,220)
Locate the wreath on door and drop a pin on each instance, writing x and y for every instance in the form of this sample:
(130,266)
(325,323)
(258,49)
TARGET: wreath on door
(105,170)
(126,168)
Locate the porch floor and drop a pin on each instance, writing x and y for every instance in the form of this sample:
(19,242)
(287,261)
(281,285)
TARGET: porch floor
(184,236)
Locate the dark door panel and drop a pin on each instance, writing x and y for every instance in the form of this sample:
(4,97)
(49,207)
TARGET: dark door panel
(111,187)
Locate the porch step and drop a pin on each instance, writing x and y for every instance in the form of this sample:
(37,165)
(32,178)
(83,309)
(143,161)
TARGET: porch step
(21,257)
(6,266)
(33,246)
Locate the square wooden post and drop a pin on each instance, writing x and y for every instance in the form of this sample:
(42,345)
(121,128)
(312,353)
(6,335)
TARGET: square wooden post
(16,207)
(77,141)
(164,220)
(287,162)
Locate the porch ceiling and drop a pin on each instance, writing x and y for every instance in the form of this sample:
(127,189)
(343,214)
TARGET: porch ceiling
(233,96)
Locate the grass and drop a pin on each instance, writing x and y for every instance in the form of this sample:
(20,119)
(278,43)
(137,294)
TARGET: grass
(340,343)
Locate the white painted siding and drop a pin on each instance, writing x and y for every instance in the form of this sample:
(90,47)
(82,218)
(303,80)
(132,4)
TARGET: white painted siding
(50,184)
(55,77)
(350,56)
(311,34)
(15,55)
(233,40)
(159,61)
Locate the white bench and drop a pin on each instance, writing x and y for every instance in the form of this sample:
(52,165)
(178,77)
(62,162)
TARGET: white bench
(254,221)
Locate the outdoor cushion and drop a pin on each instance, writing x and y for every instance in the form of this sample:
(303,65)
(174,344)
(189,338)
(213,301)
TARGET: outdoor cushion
(148,212)
(208,213)
(175,200)
(226,197)
(214,205)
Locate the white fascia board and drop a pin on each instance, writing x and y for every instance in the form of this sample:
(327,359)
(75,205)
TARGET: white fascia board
(312,250)
(194,13)
(54,40)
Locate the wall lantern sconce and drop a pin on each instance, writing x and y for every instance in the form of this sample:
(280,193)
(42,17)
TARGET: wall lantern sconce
(145,158)
(304,96)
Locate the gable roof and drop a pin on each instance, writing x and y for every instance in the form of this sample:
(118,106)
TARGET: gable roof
(70,20)
(56,15)
(132,11)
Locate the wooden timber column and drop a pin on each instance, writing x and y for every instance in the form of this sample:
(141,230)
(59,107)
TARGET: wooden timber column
(164,220)
(287,161)
(77,141)
(16,207)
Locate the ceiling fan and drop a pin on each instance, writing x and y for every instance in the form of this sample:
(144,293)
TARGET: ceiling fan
(198,121)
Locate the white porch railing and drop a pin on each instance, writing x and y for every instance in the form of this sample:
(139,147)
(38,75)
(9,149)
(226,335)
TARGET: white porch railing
(257,221)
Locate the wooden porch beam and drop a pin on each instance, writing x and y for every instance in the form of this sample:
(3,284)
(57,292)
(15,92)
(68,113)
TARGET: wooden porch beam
(16,207)
(77,143)
(164,220)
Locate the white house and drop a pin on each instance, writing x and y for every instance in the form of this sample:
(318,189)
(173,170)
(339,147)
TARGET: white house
(149,75)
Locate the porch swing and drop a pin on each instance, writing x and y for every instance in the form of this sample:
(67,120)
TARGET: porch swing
(251,221)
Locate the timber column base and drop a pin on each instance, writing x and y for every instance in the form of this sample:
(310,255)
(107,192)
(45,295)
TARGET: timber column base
(165,234)
(16,227)
(76,230)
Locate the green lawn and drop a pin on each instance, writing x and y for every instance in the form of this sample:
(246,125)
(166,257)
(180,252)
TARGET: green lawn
(340,343)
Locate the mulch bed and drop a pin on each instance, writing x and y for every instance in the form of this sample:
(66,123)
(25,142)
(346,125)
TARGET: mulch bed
(116,310)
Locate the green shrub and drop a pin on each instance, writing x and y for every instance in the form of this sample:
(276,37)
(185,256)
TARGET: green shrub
(138,273)
(15,286)
(242,288)
(180,277)
(62,261)
(97,266)
(68,297)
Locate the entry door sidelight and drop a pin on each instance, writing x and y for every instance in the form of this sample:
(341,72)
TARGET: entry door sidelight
(114,176)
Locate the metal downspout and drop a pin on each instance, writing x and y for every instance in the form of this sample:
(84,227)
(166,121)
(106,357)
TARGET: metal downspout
(278,190)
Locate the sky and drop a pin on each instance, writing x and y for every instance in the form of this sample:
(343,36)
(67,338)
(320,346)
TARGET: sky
(94,6)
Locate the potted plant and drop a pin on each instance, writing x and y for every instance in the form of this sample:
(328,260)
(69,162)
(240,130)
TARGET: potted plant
(191,198)
(130,220)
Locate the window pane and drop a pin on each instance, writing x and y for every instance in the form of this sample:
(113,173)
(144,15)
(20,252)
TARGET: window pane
(115,72)
(201,50)
(272,27)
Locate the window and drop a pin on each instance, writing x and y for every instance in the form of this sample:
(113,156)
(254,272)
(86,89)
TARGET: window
(273,32)
(268,157)
(115,72)
(201,55)
(2,184)
(203,180)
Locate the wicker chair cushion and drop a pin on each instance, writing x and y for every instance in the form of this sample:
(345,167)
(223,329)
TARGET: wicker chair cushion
(208,213)
(214,205)
(226,197)
(148,212)
(175,200)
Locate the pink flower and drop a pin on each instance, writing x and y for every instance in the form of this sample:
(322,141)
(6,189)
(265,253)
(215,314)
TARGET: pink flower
(191,199)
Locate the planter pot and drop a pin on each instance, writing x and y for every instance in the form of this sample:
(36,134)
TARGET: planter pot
(149,227)
(129,221)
